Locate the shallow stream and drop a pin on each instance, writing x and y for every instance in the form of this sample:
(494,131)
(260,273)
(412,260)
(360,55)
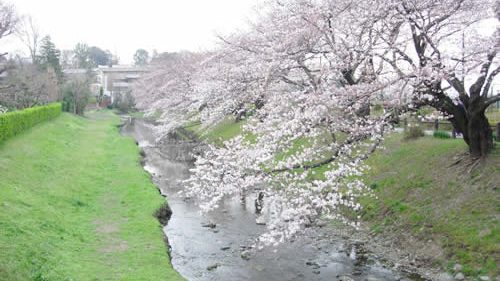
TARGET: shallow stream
(215,247)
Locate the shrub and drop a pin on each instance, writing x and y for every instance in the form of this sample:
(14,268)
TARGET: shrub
(13,123)
(124,102)
(76,95)
(413,132)
(441,135)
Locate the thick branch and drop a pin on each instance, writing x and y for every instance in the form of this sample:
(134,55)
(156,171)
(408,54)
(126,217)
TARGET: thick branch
(460,88)
(489,81)
(491,100)
(475,89)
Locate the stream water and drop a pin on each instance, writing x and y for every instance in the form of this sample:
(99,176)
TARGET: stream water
(214,247)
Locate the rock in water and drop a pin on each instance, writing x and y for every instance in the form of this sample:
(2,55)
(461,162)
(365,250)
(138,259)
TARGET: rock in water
(245,255)
(213,266)
(259,203)
(209,225)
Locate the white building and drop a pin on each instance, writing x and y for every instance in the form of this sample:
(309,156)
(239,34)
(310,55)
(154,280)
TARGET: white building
(117,79)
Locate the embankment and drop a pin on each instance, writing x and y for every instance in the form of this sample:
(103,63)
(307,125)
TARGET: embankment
(75,204)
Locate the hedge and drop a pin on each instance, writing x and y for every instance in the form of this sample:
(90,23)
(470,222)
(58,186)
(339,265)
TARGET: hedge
(13,123)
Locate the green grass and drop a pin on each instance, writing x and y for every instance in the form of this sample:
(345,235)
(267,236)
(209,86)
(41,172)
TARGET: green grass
(137,114)
(419,193)
(76,205)
(493,116)
(223,131)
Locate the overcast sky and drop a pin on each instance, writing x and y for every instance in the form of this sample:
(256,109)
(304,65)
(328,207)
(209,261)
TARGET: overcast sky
(124,26)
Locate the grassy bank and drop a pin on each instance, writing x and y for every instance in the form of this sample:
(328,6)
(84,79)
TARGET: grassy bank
(420,192)
(221,132)
(76,205)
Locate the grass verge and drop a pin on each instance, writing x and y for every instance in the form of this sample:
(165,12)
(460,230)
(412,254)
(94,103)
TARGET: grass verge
(76,205)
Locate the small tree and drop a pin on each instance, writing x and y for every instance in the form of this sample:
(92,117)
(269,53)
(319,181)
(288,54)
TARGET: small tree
(29,34)
(100,96)
(76,95)
(124,102)
(8,22)
(98,56)
(49,57)
(82,55)
(141,57)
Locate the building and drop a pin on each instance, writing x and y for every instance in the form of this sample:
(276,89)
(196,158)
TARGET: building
(117,79)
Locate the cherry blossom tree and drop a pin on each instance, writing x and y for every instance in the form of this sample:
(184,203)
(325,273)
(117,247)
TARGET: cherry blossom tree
(303,77)
(435,46)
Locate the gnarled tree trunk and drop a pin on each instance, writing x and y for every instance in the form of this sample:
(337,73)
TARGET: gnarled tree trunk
(476,132)
(479,135)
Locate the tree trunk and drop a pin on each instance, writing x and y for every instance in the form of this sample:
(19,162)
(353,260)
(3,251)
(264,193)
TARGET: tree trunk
(475,129)
(479,135)
(471,122)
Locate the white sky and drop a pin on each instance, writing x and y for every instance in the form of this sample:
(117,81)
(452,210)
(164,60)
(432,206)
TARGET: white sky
(124,26)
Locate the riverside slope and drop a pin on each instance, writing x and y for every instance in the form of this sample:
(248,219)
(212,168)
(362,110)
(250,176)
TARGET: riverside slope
(76,205)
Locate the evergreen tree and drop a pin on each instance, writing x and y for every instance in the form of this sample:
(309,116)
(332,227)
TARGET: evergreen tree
(82,55)
(49,57)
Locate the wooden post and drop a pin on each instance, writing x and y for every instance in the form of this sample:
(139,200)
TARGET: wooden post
(436,124)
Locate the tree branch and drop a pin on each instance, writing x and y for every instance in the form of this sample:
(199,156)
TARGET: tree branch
(475,89)
(489,81)
(491,100)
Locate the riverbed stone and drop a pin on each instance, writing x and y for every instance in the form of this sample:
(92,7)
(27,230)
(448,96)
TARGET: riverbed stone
(213,266)
(225,248)
(459,276)
(345,278)
(484,278)
(209,225)
(260,221)
(245,255)
(312,264)
(444,276)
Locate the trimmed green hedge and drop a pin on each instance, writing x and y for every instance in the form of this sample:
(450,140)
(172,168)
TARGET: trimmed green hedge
(441,135)
(13,123)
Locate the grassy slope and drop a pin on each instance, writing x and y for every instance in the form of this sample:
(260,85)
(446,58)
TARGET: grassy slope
(221,132)
(419,193)
(76,205)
